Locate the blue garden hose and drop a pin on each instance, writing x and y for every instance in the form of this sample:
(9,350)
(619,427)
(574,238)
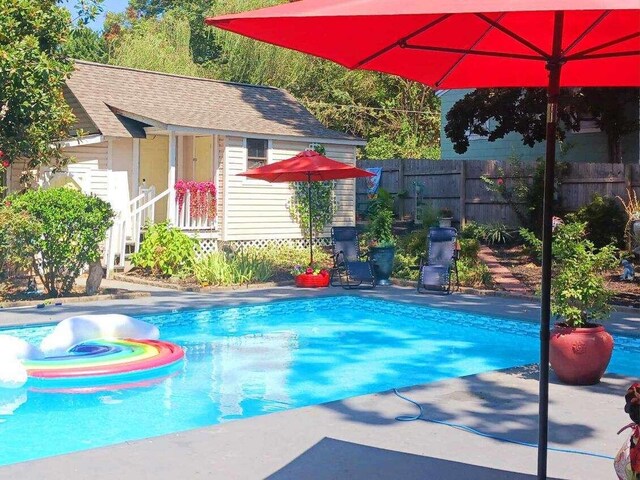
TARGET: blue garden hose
(465,428)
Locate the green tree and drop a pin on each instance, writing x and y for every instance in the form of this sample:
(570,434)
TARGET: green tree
(33,68)
(161,45)
(522,110)
(201,36)
(399,117)
(87,44)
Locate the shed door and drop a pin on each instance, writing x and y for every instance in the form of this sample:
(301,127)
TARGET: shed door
(154,168)
(203,155)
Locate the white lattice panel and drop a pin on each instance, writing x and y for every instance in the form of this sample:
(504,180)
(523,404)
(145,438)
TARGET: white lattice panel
(299,242)
(208,245)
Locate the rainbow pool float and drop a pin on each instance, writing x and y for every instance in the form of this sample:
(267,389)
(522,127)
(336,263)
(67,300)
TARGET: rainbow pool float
(85,354)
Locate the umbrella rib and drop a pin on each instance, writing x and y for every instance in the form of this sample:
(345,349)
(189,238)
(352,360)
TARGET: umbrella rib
(584,53)
(629,53)
(474,52)
(515,36)
(400,41)
(462,57)
(586,32)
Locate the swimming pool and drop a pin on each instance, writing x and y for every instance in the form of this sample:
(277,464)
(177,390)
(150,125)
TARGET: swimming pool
(253,360)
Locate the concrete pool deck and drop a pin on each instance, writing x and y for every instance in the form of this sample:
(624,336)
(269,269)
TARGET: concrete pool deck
(359,438)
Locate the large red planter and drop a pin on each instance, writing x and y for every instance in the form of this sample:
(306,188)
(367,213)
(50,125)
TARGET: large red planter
(312,280)
(579,356)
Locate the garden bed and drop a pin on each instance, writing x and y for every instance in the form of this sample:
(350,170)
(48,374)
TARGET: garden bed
(528,272)
(14,293)
(190,284)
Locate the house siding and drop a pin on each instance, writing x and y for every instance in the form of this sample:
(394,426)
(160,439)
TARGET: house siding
(85,162)
(122,161)
(584,147)
(259,210)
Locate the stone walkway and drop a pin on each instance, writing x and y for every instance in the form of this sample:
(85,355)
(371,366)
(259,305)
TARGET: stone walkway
(501,275)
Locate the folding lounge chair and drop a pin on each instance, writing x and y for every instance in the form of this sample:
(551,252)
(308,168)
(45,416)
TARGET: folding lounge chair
(436,270)
(350,269)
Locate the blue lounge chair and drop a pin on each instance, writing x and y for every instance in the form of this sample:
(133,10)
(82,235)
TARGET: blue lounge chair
(435,271)
(351,269)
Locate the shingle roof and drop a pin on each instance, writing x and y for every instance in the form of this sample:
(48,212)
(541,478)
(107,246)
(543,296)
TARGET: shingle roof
(106,92)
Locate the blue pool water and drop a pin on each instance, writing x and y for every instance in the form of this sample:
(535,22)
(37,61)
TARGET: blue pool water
(253,360)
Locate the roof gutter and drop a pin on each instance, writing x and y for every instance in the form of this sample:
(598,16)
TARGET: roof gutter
(77,141)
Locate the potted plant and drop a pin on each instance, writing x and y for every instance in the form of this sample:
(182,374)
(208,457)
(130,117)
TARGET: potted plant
(445,217)
(310,277)
(381,245)
(580,348)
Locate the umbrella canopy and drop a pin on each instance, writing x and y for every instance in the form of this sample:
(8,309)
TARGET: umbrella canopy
(463,44)
(307,166)
(458,43)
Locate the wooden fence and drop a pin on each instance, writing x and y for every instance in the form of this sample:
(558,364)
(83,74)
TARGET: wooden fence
(457,185)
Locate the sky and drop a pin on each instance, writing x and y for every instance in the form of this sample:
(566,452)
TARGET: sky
(107,5)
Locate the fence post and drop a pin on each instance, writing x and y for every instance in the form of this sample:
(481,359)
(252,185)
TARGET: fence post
(463,193)
(628,176)
(401,187)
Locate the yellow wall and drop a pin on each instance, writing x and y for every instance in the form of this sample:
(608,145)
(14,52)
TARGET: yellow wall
(154,168)
(204,153)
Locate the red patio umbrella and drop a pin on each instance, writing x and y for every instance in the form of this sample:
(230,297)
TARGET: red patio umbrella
(464,44)
(307,166)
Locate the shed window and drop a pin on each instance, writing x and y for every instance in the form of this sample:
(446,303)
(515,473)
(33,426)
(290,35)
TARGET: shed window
(257,152)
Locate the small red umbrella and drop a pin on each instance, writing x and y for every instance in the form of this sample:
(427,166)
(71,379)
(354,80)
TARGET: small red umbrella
(307,166)
(471,44)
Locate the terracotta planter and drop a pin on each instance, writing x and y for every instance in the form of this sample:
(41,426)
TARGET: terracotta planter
(312,280)
(579,356)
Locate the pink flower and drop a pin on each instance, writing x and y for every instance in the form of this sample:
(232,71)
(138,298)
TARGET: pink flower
(5,164)
(500,181)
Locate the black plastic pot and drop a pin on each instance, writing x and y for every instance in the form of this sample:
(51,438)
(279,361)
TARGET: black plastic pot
(382,259)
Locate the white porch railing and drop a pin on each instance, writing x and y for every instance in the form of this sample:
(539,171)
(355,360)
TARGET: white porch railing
(203,219)
(128,225)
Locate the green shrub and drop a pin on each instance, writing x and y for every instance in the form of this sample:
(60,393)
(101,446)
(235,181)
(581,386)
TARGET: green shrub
(382,201)
(579,294)
(606,221)
(227,268)
(283,257)
(70,227)
(491,233)
(166,251)
(469,248)
(380,229)
(473,230)
(428,215)
(17,228)
(413,244)
(473,273)
(495,233)
(405,265)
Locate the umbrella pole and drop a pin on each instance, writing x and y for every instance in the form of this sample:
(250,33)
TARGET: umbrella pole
(310,220)
(553,91)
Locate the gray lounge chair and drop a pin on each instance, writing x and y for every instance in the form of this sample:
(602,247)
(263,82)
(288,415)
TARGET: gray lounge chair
(441,262)
(351,269)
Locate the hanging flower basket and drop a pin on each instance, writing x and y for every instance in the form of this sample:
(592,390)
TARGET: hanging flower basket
(202,198)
